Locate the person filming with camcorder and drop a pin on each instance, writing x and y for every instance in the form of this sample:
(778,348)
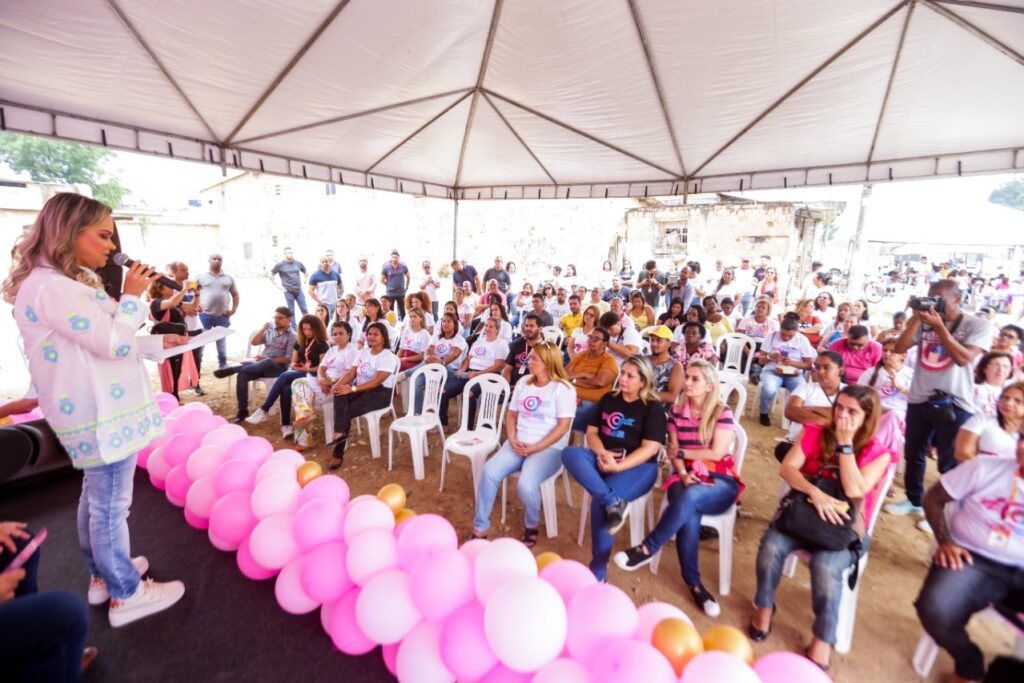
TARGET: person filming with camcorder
(940,401)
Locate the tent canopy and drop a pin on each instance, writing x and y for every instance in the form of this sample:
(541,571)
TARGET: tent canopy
(530,98)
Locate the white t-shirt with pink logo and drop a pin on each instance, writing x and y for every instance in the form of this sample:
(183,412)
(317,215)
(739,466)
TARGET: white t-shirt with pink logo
(538,410)
(990,495)
(336,362)
(758,331)
(485,353)
(443,347)
(368,365)
(416,342)
(580,340)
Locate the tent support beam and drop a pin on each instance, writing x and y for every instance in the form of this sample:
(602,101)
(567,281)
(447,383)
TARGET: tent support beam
(657,83)
(573,129)
(288,68)
(984,5)
(892,77)
(416,132)
(481,72)
(804,81)
(159,65)
(975,31)
(520,139)
(455,228)
(347,117)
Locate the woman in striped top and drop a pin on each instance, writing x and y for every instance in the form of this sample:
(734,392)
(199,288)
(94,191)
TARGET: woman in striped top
(700,438)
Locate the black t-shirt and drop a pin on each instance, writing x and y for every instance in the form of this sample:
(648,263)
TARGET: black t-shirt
(649,286)
(518,354)
(467,274)
(500,276)
(625,425)
(313,353)
(177,316)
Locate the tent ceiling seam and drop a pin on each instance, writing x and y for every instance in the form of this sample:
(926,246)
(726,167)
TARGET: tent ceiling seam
(288,68)
(638,23)
(983,5)
(892,78)
(419,130)
(973,29)
(519,138)
(804,81)
(160,65)
(481,72)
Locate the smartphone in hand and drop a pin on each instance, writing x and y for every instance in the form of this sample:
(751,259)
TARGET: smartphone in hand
(26,553)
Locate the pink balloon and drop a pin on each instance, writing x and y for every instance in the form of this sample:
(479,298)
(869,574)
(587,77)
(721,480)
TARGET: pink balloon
(231,517)
(525,623)
(288,589)
(143,457)
(369,553)
(788,667)
(204,460)
(473,547)
(502,560)
(195,522)
(251,448)
(422,534)
(326,612)
(358,500)
(248,566)
(390,655)
(563,670)
(324,577)
(327,486)
(198,423)
(365,515)
(464,647)
(321,520)
(225,435)
(180,446)
(158,468)
(275,468)
(503,674)
(289,456)
(599,616)
(220,544)
(272,543)
(718,666)
(200,498)
(441,582)
(384,609)
(568,577)
(631,660)
(219,421)
(189,408)
(177,484)
(275,495)
(345,631)
(651,614)
(235,475)
(419,655)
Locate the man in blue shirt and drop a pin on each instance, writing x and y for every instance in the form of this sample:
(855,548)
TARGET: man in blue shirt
(395,278)
(291,272)
(325,285)
(463,272)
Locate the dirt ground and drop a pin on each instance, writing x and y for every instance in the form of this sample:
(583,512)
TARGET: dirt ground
(887,628)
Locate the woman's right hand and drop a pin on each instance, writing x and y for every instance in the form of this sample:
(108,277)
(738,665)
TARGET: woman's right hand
(829,508)
(138,278)
(9,583)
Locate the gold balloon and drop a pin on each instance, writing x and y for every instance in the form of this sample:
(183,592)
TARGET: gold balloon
(544,559)
(307,472)
(393,496)
(729,639)
(404,514)
(678,640)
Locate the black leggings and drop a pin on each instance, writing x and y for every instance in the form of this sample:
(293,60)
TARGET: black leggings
(349,406)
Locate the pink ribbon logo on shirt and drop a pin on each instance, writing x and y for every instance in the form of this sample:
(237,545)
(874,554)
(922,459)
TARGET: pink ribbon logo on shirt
(613,420)
(532,403)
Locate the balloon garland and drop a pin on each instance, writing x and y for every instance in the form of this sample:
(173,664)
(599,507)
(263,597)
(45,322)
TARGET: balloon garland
(384,576)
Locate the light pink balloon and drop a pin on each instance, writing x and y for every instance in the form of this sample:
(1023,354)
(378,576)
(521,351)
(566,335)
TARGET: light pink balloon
(177,485)
(157,468)
(275,495)
(225,435)
(288,589)
(231,517)
(327,486)
(525,623)
(324,576)
(345,631)
(219,421)
(422,534)
(275,468)
(289,456)
(788,667)
(190,407)
(249,567)
(321,520)
(251,448)
(630,660)
(563,670)
(358,500)
(272,543)
(390,655)
(568,577)
(718,666)
(369,553)
(196,522)
(235,475)
(464,647)
(503,674)
(651,614)
(180,446)
(419,656)
(326,612)
(473,547)
(143,457)
(200,498)
(441,582)
(221,544)
(204,460)
(503,559)
(599,616)
(198,423)
(384,609)
(364,515)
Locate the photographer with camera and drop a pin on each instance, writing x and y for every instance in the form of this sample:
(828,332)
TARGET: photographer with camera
(941,391)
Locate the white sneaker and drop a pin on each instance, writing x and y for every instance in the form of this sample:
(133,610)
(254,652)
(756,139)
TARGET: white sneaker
(924,526)
(98,587)
(257,417)
(150,597)
(286,431)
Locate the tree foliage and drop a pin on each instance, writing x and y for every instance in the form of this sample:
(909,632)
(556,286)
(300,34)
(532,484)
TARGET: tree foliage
(1009,194)
(62,162)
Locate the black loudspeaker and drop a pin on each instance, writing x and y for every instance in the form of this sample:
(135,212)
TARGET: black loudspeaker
(30,449)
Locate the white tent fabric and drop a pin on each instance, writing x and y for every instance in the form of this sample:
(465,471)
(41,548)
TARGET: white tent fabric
(530,98)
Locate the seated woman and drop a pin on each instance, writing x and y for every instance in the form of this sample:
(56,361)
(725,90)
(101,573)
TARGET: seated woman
(413,343)
(990,376)
(577,343)
(448,348)
(464,307)
(372,313)
(673,317)
(860,309)
(810,324)
(785,355)
(497,311)
(758,326)
(310,347)
(309,392)
(1008,341)
(891,378)
(691,344)
(700,439)
(420,301)
(620,462)
(321,311)
(365,387)
(487,355)
(979,559)
(640,311)
(543,405)
(846,449)
(717,323)
(836,326)
(899,321)
(993,435)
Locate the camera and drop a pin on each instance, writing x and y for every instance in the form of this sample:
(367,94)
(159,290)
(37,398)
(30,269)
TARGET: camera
(923,303)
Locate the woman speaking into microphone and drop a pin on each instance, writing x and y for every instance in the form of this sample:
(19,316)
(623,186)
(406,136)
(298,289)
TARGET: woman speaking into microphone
(84,360)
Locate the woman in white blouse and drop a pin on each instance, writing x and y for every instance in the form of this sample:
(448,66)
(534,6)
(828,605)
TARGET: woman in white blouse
(994,434)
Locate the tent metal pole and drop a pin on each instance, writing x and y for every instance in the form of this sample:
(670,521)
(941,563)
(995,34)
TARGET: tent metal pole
(974,30)
(984,5)
(488,46)
(455,227)
(892,77)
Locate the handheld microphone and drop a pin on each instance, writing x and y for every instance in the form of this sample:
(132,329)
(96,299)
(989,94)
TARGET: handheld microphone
(124,260)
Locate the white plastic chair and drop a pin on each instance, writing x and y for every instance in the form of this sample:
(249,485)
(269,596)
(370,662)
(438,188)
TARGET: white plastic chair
(730,350)
(729,383)
(724,523)
(478,441)
(418,425)
(553,334)
(548,501)
(636,510)
(927,649)
(372,421)
(848,601)
(266,382)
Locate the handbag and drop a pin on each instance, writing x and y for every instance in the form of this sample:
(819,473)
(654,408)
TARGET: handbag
(799,519)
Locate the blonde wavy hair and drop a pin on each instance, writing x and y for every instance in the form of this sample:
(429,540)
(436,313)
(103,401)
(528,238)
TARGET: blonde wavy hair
(648,392)
(713,406)
(52,239)
(552,359)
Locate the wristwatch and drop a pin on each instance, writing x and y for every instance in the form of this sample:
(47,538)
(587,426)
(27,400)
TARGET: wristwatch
(844,449)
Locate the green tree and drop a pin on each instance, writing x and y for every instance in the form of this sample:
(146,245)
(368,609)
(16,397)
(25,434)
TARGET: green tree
(1009,194)
(65,162)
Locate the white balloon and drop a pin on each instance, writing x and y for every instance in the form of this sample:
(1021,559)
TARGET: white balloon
(500,561)
(526,623)
(419,656)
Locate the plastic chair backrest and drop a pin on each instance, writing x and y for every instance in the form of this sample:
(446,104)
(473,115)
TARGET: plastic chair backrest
(727,384)
(434,376)
(553,334)
(881,490)
(491,404)
(730,351)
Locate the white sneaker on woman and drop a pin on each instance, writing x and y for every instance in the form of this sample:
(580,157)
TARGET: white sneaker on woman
(257,417)
(98,587)
(149,598)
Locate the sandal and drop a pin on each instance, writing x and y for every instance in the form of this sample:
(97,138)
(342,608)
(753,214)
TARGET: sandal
(529,538)
(472,536)
(756,634)
(807,654)
(335,463)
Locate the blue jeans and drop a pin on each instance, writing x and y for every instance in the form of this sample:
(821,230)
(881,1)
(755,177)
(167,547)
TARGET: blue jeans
(103,525)
(42,636)
(746,300)
(453,386)
(682,519)
(605,490)
(584,413)
(210,321)
(770,385)
(923,431)
(283,389)
(827,582)
(250,371)
(290,299)
(949,598)
(533,470)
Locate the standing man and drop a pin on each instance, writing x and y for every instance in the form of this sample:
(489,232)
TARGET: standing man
(218,301)
(942,389)
(325,285)
(366,283)
(504,280)
(429,284)
(291,272)
(395,278)
(190,307)
(652,284)
(746,277)
(335,266)
(462,272)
